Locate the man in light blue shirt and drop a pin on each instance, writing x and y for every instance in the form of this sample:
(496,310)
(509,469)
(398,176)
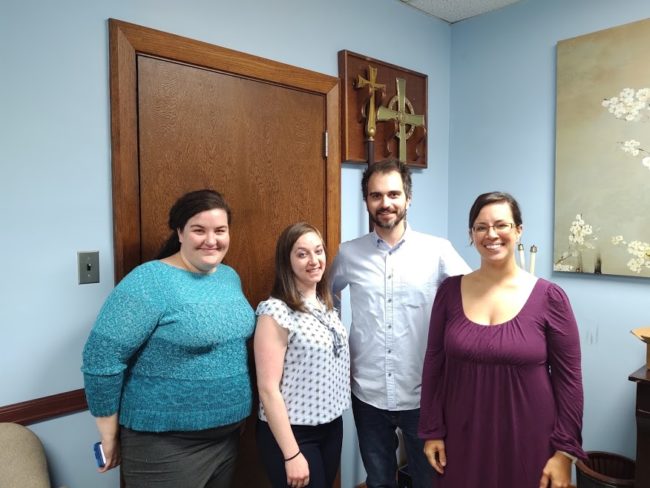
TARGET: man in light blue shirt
(393,274)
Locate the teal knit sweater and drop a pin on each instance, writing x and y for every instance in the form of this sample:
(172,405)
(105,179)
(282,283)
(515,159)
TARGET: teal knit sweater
(168,350)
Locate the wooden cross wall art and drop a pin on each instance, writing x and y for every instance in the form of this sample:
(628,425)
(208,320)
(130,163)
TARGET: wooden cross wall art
(383,111)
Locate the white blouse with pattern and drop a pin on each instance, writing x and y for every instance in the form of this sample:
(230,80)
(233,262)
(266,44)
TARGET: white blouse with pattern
(315,382)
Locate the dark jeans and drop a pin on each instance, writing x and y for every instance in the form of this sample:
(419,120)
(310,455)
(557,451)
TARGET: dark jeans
(200,459)
(378,442)
(320,444)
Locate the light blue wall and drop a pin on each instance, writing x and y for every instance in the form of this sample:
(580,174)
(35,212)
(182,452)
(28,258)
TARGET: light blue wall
(503,138)
(55,169)
(55,185)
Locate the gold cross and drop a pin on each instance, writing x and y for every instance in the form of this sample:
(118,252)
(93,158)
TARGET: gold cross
(371,124)
(401,116)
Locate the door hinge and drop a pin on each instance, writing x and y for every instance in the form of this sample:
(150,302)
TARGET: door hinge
(326,144)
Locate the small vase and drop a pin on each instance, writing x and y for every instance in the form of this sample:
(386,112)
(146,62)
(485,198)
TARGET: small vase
(579,265)
(598,266)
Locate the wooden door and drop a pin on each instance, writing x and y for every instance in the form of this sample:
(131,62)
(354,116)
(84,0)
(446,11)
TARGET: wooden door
(188,115)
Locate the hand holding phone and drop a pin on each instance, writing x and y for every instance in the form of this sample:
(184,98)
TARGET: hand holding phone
(99,454)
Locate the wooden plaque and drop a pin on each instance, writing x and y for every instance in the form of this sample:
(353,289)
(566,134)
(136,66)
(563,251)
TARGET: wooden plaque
(355,106)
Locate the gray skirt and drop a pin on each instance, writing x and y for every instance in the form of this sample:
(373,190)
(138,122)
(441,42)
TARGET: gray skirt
(199,459)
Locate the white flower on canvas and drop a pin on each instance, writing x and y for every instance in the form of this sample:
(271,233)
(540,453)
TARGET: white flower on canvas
(562,267)
(581,237)
(643,94)
(631,146)
(616,240)
(629,104)
(579,233)
(646,162)
(640,252)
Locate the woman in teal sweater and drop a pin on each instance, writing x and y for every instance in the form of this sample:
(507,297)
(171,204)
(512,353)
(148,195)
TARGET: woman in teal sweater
(165,365)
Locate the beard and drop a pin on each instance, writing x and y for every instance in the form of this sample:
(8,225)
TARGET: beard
(388,225)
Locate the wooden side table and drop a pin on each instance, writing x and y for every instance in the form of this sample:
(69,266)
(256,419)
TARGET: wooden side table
(642,379)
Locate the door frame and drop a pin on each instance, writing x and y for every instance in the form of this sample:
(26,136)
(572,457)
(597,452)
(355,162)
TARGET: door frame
(127,41)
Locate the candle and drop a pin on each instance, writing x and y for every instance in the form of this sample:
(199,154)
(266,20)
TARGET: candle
(522,257)
(533,254)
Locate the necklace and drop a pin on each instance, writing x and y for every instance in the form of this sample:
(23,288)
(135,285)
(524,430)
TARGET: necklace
(317,309)
(314,303)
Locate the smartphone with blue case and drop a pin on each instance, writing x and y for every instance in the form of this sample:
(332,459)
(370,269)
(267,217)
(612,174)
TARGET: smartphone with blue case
(99,454)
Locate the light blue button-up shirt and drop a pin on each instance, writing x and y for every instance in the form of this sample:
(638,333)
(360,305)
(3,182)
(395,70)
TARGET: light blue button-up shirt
(391,295)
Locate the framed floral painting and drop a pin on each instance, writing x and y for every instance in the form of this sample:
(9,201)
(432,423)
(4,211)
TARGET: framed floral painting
(602,166)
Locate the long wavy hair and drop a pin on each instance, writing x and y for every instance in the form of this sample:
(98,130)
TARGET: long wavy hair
(184,209)
(284,284)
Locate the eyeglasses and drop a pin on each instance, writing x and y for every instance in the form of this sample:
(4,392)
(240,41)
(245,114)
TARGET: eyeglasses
(499,228)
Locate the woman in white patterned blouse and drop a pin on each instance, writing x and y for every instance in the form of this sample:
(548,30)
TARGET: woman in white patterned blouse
(303,367)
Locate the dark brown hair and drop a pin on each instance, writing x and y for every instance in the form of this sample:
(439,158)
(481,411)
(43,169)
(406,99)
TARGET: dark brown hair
(284,284)
(494,197)
(184,209)
(386,167)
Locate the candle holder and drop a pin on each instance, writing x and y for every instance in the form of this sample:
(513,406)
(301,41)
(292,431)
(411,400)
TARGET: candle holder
(522,257)
(533,257)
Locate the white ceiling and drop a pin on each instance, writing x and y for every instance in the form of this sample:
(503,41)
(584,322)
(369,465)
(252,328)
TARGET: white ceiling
(455,10)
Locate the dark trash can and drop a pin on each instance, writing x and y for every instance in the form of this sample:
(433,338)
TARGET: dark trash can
(605,470)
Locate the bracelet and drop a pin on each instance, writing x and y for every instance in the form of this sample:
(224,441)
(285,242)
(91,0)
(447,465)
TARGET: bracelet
(293,457)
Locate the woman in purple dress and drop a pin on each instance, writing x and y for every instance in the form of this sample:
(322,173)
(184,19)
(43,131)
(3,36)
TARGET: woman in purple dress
(501,402)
